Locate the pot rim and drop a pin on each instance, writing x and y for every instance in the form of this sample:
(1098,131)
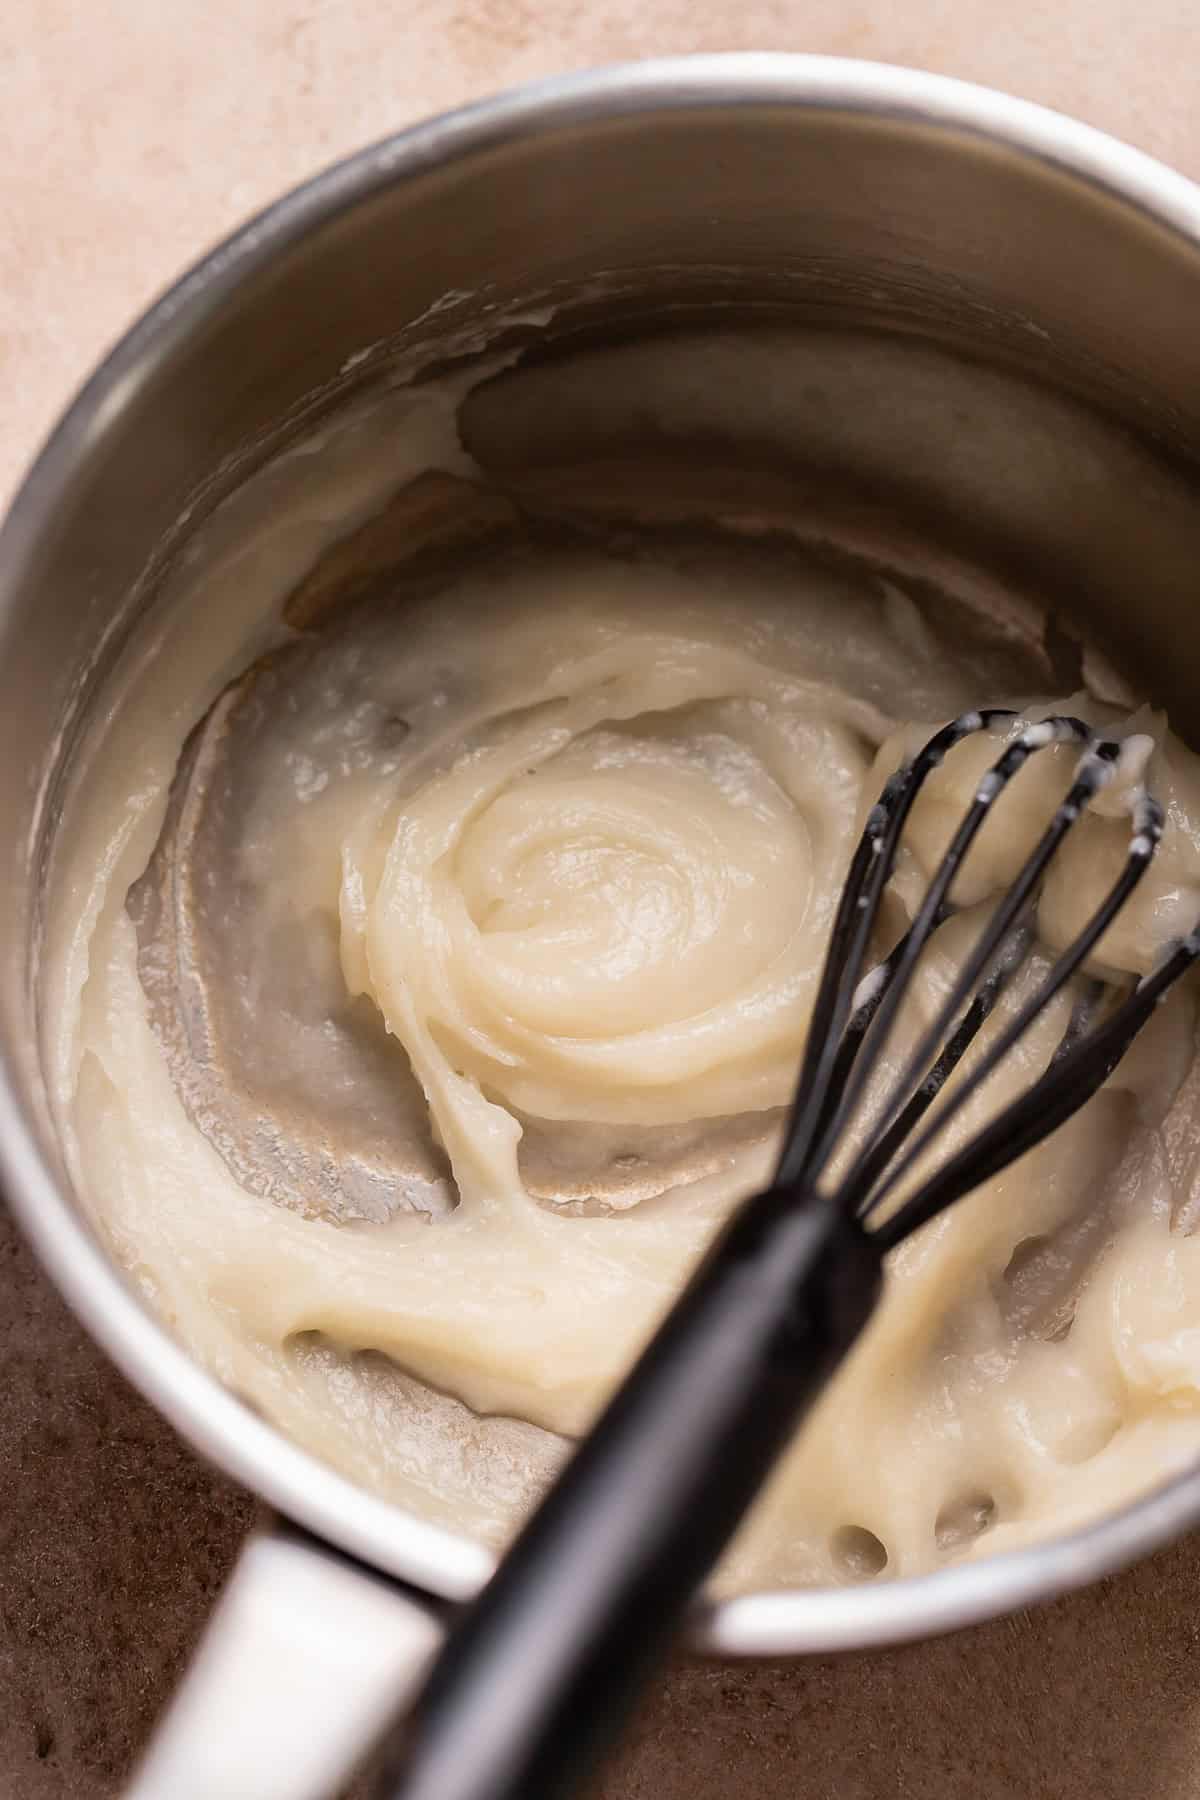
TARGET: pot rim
(213,1420)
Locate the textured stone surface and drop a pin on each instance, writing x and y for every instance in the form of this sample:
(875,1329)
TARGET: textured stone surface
(113,1541)
(131,135)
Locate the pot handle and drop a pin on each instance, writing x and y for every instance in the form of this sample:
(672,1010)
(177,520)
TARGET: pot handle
(305,1659)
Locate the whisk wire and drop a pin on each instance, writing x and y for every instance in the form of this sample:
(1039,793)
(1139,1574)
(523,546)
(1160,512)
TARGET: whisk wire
(1006,965)
(849,941)
(855,1012)
(1094,771)
(1033,738)
(1141,851)
(1049,1103)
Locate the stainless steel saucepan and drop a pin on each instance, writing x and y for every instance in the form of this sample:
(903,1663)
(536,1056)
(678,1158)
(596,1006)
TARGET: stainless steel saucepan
(1031,291)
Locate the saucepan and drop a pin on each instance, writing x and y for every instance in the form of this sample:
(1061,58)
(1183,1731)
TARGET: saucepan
(1031,289)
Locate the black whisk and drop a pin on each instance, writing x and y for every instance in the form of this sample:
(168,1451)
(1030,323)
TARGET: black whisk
(546,1663)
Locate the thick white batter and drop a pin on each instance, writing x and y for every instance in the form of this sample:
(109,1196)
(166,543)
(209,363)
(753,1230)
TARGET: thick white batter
(560,838)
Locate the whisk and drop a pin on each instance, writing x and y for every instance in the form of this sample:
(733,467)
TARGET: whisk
(547,1662)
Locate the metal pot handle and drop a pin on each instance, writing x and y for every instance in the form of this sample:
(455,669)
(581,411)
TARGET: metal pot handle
(306,1657)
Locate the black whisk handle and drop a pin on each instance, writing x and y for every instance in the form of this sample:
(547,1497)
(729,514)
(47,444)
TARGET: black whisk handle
(545,1666)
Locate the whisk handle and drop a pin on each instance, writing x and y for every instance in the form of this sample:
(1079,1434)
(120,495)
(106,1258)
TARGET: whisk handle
(547,1663)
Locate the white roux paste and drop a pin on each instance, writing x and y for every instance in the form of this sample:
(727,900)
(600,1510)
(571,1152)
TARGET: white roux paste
(611,907)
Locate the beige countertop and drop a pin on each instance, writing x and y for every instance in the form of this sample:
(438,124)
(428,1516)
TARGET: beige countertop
(132,134)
